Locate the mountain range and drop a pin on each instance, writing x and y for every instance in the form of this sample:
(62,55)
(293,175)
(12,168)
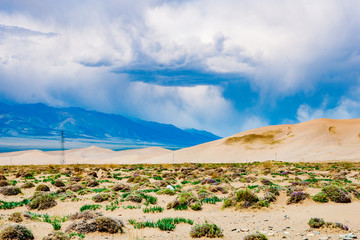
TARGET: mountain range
(39,120)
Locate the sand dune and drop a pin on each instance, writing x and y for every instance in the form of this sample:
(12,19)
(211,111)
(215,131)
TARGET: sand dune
(312,141)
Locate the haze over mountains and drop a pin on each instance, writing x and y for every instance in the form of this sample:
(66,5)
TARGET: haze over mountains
(40,121)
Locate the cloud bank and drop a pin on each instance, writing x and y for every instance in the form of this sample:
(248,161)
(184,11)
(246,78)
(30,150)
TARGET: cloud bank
(190,63)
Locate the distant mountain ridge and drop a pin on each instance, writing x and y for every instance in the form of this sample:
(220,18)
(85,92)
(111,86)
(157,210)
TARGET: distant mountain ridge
(24,120)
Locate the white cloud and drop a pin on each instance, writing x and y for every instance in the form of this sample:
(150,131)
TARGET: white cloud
(281,46)
(346,109)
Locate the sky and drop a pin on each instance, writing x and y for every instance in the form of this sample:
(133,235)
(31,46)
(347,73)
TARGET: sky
(223,66)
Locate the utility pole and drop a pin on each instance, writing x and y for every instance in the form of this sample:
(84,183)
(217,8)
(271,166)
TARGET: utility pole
(62,148)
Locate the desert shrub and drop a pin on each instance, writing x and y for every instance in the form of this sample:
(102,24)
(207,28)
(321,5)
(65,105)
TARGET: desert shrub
(110,225)
(195,206)
(82,226)
(297,197)
(316,222)
(206,230)
(76,187)
(166,191)
(42,202)
(92,183)
(27,185)
(137,179)
(120,187)
(221,189)
(269,197)
(203,193)
(85,215)
(137,198)
(246,196)
(3,183)
(10,190)
(336,225)
(274,190)
(337,194)
(320,197)
(18,232)
(75,179)
(59,183)
(228,202)
(256,236)
(57,235)
(2,177)
(101,197)
(42,188)
(15,217)
(182,201)
(265,181)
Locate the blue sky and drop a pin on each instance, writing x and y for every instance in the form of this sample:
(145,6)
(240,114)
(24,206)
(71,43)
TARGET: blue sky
(222,66)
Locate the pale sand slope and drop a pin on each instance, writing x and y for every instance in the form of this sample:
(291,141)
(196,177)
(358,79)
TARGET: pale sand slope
(91,155)
(312,141)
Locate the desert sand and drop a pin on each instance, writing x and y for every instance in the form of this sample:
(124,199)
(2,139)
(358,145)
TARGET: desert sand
(321,140)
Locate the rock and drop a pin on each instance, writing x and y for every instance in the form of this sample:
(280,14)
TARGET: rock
(316,232)
(324,238)
(170,187)
(244,230)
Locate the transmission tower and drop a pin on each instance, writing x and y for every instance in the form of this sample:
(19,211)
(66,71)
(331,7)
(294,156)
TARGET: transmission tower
(62,148)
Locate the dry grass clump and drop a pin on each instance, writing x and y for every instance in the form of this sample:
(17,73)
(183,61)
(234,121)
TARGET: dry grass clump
(10,190)
(120,187)
(42,188)
(42,202)
(94,222)
(3,183)
(16,232)
(15,217)
(101,197)
(59,183)
(57,235)
(27,185)
(76,187)
(92,183)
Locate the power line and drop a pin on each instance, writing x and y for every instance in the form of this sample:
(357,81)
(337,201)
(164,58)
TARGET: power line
(62,148)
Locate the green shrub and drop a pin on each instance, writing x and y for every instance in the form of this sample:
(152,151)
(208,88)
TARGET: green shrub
(206,230)
(56,225)
(316,222)
(195,206)
(337,194)
(90,207)
(18,232)
(320,197)
(153,209)
(256,236)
